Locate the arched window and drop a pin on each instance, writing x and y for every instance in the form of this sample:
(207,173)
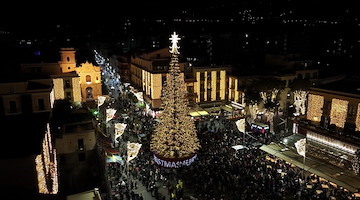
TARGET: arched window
(88,78)
(68,58)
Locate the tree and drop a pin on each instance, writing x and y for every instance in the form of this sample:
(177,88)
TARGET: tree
(175,134)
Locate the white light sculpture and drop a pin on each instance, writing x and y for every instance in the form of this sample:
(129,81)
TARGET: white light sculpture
(301,147)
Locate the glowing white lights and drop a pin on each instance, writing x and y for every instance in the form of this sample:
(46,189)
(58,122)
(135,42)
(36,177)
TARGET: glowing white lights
(299,102)
(240,124)
(332,142)
(301,147)
(46,167)
(174,40)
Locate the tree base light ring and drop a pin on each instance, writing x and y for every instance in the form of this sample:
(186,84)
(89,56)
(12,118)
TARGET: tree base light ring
(174,163)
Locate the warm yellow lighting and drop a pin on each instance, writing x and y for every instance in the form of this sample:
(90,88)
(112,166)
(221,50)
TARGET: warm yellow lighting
(175,134)
(58,88)
(315,105)
(338,113)
(76,89)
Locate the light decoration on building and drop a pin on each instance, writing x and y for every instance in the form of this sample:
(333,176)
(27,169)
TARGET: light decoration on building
(357,122)
(299,101)
(314,108)
(338,112)
(58,88)
(46,167)
(341,145)
(100,60)
(174,141)
(76,89)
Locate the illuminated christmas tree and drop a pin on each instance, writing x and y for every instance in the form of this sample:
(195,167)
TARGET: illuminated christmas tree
(174,141)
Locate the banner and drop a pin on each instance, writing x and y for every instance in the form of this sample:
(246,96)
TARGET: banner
(240,124)
(132,150)
(101,100)
(301,146)
(119,129)
(110,114)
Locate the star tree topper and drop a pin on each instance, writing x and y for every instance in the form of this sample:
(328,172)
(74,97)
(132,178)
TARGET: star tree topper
(174,40)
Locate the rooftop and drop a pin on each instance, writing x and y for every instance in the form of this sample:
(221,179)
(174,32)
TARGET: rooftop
(350,86)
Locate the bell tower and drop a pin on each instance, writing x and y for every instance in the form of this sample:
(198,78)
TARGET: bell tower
(67,62)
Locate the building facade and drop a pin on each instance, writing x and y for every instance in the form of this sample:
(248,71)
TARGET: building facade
(332,123)
(77,83)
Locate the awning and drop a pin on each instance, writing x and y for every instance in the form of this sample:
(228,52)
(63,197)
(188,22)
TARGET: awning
(227,108)
(199,113)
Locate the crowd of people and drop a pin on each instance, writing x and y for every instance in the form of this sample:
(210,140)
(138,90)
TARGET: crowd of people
(220,171)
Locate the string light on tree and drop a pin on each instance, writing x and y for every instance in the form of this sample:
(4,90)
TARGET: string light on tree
(174,141)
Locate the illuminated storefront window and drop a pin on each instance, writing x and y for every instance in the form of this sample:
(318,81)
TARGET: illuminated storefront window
(338,112)
(315,105)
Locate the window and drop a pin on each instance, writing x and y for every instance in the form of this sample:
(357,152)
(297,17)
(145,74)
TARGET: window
(67,84)
(41,104)
(12,106)
(202,87)
(217,95)
(68,58)
(218,75)
(81,144)
(202,76)
(202,97)
(69,67)
(35,69)
(82,157)
(68,95)
(11,90)
(209,76)
(208,96)
(88,78)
